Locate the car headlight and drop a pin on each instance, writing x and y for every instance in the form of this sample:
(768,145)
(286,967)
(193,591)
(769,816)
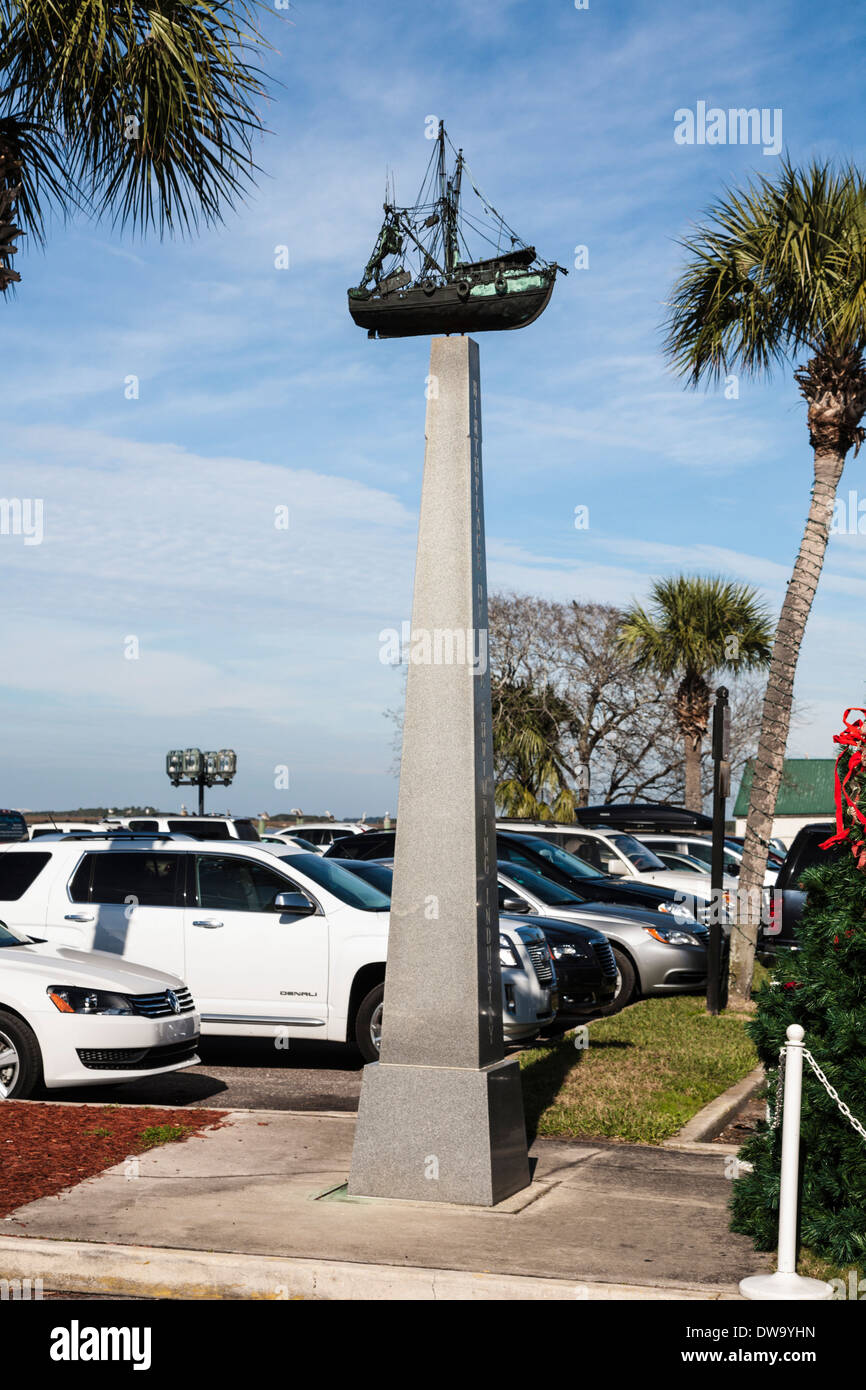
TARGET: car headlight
(507,955)
(678,910)
(673,936)
(72,999)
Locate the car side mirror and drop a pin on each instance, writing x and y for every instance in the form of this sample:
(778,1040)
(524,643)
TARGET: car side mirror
(296,903)
(514,905)
(617,869)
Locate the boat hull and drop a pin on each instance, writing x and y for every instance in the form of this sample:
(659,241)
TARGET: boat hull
(457,307)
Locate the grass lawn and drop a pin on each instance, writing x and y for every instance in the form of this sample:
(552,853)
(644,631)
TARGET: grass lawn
(853,1276)
(645,1072)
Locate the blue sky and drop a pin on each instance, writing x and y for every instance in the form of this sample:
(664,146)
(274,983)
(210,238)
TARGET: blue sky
(256,391)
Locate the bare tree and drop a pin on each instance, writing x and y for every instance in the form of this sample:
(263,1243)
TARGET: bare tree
(620,727)
(599,714)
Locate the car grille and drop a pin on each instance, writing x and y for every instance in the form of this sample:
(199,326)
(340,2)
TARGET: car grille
(605,957)
(136,1058)
(159,1005)
(540,957)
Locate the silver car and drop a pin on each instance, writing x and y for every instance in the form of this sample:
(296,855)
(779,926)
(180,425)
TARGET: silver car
(655,955)
(529,999)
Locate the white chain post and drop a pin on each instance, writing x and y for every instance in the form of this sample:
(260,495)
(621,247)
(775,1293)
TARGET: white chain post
(786,1283)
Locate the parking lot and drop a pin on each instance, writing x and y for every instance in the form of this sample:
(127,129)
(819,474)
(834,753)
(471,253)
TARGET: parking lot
(245,1074)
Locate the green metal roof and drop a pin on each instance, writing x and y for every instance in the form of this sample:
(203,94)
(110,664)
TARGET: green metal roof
(806,790)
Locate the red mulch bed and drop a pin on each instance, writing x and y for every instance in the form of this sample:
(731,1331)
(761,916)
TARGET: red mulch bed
(45,1148)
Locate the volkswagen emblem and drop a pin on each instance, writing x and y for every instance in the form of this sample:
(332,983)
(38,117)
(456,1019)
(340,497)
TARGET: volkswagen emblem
(174,1002)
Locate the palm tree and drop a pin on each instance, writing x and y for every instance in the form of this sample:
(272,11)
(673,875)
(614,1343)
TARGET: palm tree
(776,271)
(528,728)
(143,110)
(696,627)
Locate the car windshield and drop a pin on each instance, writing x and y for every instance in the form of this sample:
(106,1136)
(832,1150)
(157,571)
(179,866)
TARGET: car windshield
(246,830)
(380,875)
(346,886)
(686,862)
(7,938)
(551,894)
(640,855)
(562,858)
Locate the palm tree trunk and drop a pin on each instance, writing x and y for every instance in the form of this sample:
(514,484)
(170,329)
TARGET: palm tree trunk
(694,798)
(776,718)
(692,712)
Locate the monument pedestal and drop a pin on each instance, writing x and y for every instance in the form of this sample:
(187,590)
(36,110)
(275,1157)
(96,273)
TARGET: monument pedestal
(441,1113)
(441,1134)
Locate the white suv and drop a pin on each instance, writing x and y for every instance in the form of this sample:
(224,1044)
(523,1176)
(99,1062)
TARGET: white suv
(198,827)
(295,944)
(700,847)
(61,827)
(321,833)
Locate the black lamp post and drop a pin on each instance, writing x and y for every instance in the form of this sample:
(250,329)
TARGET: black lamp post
(717,981)
(193,768)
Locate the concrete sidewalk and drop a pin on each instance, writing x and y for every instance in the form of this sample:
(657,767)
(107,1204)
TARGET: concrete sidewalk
(256,1209)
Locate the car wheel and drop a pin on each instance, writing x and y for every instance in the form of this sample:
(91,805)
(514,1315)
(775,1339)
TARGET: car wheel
(626,982)
(368,1024)
(20,1058)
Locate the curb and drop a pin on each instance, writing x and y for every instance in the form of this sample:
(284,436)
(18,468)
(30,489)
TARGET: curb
(222,1109)
(147,1272)
(710,1121)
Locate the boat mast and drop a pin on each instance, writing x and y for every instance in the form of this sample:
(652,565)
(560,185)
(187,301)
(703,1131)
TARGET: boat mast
(455,209)
(445,209)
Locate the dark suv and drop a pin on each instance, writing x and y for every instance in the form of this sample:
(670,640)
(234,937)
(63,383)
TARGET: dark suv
(787,897)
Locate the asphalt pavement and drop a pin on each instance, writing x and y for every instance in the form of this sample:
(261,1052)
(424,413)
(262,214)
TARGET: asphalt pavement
(246,1074)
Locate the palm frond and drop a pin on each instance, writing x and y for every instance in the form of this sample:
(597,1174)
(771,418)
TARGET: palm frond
(775,267)
(695,626)
(156,103)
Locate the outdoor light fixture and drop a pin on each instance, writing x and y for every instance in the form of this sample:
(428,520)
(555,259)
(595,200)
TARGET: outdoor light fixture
(192,767)
(192,762)
(227,763)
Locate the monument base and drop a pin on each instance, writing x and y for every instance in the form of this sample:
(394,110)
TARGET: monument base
(440,1134)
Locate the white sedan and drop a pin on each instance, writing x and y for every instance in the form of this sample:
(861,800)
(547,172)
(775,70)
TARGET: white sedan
(85,1018)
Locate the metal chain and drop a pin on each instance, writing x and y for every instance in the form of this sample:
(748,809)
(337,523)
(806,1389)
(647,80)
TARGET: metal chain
(780,1090)
(834,1095)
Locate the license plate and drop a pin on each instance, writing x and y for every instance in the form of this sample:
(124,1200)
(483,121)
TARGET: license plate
(178,1029)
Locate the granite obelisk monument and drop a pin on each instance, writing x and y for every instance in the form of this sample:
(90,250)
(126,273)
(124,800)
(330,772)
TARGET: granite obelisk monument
(441,1112)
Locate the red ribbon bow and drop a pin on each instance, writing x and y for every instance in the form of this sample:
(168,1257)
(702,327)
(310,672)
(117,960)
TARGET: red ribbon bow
(852,735)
